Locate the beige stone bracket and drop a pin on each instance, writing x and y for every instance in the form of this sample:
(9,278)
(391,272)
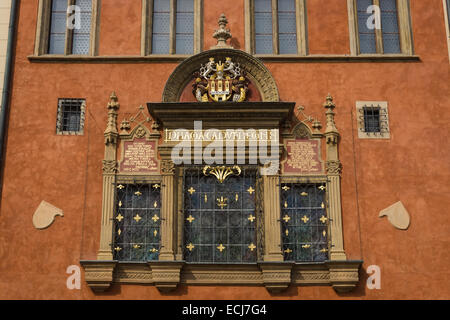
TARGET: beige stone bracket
(166,274)
(99,275)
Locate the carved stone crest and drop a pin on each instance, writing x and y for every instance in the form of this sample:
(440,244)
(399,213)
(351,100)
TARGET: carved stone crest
(217,81)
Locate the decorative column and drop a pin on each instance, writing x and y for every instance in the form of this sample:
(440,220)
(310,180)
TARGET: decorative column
(333,166)
(168,209)
(109,174)
(276,273)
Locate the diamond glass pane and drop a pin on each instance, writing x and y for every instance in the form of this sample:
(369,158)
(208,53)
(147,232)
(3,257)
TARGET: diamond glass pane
(160,43)
(137,222)
(161,5)
(367,38)
(263,26)
(184,43)
(286,5)
(288,43)
(81,43)
(304,222)
(389,25)
(56,43)
(59,5)
(85,5)
(220,218)
(57,32)
(185,5)
(161,27)
(263,44)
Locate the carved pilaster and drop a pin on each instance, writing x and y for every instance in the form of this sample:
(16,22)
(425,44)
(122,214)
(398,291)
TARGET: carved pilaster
(168,209)
(333,166)
(272,243)
(109,174)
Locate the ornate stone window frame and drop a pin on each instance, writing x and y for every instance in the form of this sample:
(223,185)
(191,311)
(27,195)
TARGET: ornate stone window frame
(146,32)
(404,24)
(171,270)
(43,29)
(301,18)
(384,120)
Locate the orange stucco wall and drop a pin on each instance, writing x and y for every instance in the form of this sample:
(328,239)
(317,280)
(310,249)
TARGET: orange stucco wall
(413,166)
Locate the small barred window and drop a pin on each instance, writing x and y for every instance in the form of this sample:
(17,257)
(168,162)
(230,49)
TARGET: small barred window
(373,120)
(304,222)
(71,115)
(137,222)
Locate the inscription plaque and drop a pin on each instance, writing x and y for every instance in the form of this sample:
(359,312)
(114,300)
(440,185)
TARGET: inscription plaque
(303,157)
(139,156)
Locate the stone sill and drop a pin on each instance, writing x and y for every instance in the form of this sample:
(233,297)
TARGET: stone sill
(266,58)
(343,276)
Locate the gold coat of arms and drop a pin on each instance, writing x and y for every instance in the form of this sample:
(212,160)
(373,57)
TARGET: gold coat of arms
(220,82)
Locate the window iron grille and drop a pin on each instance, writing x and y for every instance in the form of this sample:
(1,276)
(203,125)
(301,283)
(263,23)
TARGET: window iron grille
(373,120)
(137,221)
(220,218)
(304,221)
(71,116)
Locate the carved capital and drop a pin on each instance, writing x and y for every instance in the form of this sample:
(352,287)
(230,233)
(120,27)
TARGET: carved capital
(167,167)
(334,167)
(98,274)
(109,166)
(344,275)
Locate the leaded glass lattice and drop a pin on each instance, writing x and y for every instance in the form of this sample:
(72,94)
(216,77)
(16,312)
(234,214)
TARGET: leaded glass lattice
(287,27)
(367,37)
(263,26)
(389,26)
(161,27)
(137,222)
(57,36)
(184,37)
(304,222)
(220,219)
(82,35)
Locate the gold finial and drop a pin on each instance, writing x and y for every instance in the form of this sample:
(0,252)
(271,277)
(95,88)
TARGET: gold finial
(222,34)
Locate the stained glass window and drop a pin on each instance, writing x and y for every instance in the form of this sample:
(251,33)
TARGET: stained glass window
(304,222)
(220,218)
(137,222)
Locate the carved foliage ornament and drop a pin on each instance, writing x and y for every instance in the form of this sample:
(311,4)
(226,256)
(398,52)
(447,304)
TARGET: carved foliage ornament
(220,82)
